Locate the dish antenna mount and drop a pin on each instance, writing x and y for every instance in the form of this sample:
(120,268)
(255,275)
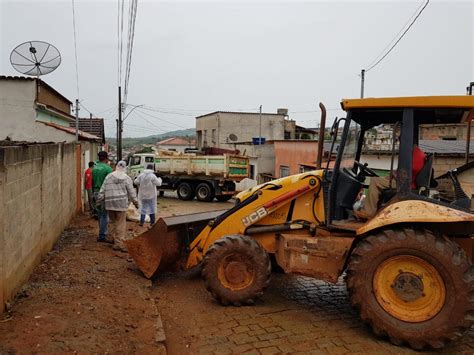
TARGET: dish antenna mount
(35,58)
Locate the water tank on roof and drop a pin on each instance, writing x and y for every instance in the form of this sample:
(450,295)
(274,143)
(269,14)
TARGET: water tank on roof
(258,140)
(282,111)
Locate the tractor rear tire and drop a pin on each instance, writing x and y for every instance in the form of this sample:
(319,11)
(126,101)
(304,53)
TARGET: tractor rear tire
(413,287)
(204,192)
(185,191)
(236,270)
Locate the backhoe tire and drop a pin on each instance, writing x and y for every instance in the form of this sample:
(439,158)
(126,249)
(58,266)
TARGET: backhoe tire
(236,270)
(205,192)
(412,286)
(185,191)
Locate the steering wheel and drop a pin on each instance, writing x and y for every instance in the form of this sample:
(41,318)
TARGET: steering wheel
(364,169)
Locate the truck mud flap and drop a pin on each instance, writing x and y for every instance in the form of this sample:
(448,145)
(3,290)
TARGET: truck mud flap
(164,247)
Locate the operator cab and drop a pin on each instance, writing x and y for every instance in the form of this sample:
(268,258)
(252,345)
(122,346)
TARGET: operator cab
(349,176)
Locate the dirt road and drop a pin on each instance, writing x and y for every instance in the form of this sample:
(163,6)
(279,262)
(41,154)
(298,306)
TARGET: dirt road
(85,297)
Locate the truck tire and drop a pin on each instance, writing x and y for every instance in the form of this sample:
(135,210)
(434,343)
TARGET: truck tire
(236,270)
(412,286)
(223,198)
(204,192)
(185,191)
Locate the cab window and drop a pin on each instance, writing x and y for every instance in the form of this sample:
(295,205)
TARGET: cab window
(135,161)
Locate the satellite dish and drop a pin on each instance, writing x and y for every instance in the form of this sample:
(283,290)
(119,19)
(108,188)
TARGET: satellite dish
(233,137)
(35,58)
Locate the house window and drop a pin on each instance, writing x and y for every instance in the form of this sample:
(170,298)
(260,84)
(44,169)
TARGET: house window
(204,143)
(287,135)
(252,172)
(213,137)
(284,171)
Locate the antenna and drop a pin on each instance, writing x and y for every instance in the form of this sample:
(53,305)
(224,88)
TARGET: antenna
(35,58)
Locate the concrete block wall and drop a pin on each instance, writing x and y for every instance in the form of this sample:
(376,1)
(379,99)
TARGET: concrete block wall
(37,201)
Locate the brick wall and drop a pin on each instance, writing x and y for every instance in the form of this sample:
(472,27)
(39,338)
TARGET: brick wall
(442,164)
(37,201)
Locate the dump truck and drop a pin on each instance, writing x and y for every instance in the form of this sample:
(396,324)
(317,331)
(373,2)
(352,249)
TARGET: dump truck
(202,176)
(408,268)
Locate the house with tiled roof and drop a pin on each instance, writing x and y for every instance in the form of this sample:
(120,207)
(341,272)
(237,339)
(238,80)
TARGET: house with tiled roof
(33,111)
(448,154)
(176,144)
(94,126)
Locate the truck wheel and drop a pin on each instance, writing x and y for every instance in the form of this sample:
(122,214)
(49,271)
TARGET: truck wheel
(236,270)
(223,198)
(185,191)
(413,287)
(204,192)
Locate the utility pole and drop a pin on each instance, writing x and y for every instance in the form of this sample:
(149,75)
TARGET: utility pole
(362,83)
(468,123)
(119,125)
(77,120)
(260,129)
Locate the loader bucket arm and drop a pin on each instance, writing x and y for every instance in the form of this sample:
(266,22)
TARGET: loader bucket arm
(261,204)
(181,241)
(164,246)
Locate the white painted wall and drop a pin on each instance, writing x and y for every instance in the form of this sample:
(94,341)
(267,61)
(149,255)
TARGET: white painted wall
(380,161)
(177,148)
(18,115)
(261,156)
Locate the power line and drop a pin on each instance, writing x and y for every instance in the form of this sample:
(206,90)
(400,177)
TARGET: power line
(75,46)
(131,36)
(120,39)
(400,38)
(161,119)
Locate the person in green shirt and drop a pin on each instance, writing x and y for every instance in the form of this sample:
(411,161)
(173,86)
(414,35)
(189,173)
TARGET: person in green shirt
(99,172)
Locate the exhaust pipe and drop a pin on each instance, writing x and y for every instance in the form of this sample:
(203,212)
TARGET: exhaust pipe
(322,130)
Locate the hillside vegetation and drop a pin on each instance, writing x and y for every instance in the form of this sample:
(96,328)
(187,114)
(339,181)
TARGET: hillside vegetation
(130,142)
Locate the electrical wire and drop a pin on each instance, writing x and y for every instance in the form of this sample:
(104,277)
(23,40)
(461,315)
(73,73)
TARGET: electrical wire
(75,46)
(159,118)
(120,40)
(85,108)
(131,36)
(399,39)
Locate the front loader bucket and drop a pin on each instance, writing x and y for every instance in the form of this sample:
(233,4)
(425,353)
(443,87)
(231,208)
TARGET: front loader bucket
(164,247)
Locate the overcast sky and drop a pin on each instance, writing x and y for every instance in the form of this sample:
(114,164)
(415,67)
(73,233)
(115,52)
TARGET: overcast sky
(191,58)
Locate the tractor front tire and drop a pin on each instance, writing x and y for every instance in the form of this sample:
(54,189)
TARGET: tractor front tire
(236,270)
(413,287)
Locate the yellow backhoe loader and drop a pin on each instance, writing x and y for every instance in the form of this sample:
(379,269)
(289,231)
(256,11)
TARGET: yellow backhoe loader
(408,268)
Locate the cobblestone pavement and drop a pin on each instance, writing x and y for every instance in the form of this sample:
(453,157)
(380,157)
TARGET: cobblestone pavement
(296,315)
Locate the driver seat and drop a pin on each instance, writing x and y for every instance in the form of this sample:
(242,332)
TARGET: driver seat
(423,182)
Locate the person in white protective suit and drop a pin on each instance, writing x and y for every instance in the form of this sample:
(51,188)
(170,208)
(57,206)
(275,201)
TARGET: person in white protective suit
(147,183)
